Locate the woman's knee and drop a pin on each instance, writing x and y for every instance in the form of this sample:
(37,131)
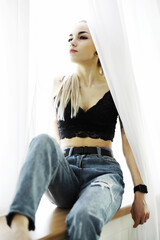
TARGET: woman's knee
(43,147)
(43,142)
(43,139)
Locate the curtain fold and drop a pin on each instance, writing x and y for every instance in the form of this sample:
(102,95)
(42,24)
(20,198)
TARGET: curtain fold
(14,24)
(127,35)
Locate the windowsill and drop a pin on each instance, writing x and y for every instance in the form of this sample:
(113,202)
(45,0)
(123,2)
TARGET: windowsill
(50,221)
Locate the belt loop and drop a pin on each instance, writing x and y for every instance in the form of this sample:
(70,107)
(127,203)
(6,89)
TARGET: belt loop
(99,152)
(70,151)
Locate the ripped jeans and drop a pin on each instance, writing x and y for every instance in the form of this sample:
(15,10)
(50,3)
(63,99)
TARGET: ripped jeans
(91,185)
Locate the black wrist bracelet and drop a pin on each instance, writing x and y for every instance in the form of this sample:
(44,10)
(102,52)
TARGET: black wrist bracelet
(141,188)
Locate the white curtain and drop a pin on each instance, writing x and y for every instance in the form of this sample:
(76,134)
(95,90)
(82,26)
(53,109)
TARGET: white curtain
(33,50)
(13,93)
(127,36)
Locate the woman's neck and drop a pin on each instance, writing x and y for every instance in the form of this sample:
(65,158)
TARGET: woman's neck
(89,75)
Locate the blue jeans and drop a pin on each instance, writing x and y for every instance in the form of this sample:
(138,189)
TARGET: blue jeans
(91,185)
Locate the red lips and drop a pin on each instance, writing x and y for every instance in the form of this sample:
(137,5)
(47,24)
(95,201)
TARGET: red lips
(73,51)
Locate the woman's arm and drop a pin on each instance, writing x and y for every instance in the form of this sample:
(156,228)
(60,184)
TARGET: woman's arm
(56,85)
(139,210)
(55,129)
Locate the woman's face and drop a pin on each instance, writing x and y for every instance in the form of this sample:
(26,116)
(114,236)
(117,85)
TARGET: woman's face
(81,46)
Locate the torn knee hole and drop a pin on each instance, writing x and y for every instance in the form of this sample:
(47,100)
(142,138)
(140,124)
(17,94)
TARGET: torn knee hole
(101,184)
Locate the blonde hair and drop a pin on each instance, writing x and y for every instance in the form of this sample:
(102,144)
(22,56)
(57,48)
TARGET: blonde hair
(69,90)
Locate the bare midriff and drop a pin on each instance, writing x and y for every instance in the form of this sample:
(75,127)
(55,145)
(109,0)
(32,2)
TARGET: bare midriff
(83,142)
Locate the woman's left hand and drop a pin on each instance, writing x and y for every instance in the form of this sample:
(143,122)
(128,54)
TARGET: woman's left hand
(140,211)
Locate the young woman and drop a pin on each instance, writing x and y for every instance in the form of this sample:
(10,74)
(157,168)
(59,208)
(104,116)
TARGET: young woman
(77,168)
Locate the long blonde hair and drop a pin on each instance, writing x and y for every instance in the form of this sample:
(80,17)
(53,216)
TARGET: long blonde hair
(69,90)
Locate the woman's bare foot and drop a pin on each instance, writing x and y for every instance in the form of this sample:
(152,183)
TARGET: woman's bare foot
(21,235)
(19,228)
(7,233)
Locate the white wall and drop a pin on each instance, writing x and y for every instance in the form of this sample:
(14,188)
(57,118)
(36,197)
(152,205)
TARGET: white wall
(118,229)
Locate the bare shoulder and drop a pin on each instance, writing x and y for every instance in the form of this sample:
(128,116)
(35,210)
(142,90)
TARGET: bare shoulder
(57,81)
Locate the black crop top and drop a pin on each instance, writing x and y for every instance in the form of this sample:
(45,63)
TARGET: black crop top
(99,121)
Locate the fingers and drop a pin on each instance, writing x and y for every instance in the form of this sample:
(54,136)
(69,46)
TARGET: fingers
(140,212)
(140,217)
(136,223)
(140,220)
(136,219)
(146,217)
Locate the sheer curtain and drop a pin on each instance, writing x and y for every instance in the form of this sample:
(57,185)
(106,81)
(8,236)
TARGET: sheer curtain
(33,47)
(14,96)
(127,36)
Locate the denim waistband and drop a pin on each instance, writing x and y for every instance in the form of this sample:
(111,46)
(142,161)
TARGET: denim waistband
(68,151)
